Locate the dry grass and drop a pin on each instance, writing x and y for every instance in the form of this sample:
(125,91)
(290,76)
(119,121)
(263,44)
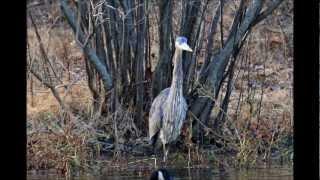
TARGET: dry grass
(78,98)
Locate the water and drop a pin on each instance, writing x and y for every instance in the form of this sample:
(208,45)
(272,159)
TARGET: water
(273,173)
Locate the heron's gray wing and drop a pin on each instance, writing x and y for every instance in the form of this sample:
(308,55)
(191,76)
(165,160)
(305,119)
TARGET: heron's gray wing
(156,112)
(185,108)
(174,115)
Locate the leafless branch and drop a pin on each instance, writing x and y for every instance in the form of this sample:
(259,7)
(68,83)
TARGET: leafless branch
(90,53)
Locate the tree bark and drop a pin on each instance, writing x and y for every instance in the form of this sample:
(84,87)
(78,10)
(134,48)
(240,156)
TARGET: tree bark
(139,65)
(162,74)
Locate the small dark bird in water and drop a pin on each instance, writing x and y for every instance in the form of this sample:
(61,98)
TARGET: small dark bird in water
(169,108)
(160,174)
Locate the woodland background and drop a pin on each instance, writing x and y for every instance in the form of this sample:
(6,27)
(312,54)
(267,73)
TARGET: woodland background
(94,68)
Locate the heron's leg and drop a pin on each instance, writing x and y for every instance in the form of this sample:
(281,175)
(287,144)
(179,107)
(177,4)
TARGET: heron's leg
(164,152)
(167,151)
(155,156)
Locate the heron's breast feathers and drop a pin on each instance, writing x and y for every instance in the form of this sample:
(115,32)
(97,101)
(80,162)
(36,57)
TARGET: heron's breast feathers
(173,116)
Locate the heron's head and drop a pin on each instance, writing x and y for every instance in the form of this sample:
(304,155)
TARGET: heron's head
(181,43)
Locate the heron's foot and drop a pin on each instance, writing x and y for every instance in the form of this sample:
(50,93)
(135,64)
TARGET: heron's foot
(155,161)
(165,158)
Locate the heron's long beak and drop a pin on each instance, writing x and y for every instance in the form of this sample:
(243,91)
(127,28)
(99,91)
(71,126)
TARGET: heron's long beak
(186,47)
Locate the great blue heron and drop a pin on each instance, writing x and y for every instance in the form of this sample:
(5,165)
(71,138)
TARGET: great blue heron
(169,108)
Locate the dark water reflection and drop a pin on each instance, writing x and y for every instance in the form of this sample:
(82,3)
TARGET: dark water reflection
(274,173)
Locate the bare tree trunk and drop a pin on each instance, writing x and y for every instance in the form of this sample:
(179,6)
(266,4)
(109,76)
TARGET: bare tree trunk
(162,74)
(192,26)
(191,22)
(93,86)
(212,76)
(140,71)
(90,53)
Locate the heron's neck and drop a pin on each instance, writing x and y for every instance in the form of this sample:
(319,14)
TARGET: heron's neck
(177,76)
